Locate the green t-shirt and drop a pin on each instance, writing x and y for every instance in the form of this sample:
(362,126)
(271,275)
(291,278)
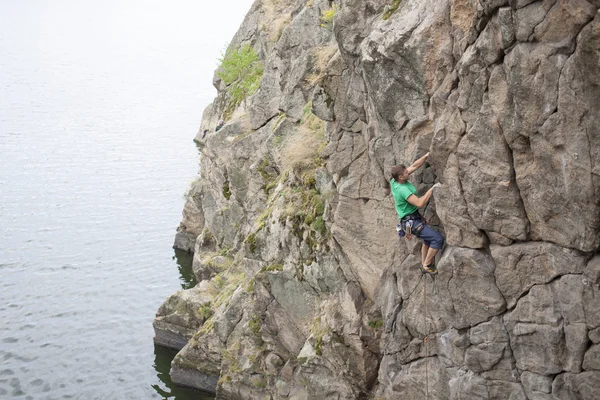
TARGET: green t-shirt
(401,192)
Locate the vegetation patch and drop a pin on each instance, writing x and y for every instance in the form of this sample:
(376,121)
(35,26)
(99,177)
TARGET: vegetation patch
(318,330)
(251,241)
(250,286)
(224,284)
(222,287)
(277,27)
(241,70)
(207,326)
(390,9)
(207,238)
(206,311)
(272,267)
(279,119)
(320,57)
(269,174)
(327,16)
(376,323)
(254,325)
(226,190)
(319,225)
(300,152)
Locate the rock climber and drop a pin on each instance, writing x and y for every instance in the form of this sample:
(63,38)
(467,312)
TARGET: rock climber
(411,222)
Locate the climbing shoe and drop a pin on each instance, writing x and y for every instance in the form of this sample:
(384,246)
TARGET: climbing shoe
(430,269)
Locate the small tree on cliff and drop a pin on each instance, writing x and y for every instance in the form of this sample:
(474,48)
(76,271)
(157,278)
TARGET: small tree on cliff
(241,70)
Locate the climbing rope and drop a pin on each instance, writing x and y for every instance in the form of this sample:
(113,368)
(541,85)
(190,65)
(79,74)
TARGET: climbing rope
(426,340)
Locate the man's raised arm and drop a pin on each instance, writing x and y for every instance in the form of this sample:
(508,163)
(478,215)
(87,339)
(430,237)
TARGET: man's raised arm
(414,166)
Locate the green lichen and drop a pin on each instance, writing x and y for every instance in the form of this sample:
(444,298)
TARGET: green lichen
(259,383)
(390,9)
(312,122)
(319,225)
(281,117)
(318,330)
(309,180)
(327,15)
(206,311)
(226,190)
(273,267)
(269,186)
(319,346)
(207,326)
(224,378)
(376,323)
(251,241)
(254,325)
(250,286)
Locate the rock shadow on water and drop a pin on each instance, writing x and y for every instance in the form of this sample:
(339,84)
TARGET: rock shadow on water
(168,390)
(184,261)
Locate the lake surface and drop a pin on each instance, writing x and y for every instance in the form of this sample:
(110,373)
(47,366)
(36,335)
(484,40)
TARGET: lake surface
(99,103)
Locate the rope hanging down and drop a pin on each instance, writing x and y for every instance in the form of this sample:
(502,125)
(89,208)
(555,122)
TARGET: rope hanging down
(426,340)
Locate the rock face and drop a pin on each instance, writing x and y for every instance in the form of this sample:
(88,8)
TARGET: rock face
(305,290)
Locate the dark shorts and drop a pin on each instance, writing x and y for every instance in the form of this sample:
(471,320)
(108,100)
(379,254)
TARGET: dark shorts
(428,235)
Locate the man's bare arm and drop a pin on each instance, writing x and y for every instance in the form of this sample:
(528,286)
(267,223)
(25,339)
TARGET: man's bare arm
(414,166)
(421,201)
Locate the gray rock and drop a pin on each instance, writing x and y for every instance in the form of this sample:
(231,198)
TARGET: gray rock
(559,210)
(468,386)
(591,360)
(584,386)
(410,381)
(197,365)
(536,386)
(194,379)
(286,291)
(179,317)
(547,328)
(563,22)
(520,266)
(451,347)
(466,280)
(273,363)
(594,335)
(486,177)
(193,220)
(452,210)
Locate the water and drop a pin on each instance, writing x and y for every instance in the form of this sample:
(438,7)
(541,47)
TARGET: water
(99,102)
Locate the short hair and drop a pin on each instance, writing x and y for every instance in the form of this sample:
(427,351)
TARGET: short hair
(398,170)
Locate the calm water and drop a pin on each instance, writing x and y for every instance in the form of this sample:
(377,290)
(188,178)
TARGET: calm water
(99,103)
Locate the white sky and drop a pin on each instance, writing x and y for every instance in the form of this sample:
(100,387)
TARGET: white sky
(143,49)
(209,26)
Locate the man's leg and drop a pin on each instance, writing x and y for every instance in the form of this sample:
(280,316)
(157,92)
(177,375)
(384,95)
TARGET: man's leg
(430,256)
(424,250)
(435,243)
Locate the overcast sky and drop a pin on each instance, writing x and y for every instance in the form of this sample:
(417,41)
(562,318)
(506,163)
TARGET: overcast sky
(215,24)
(142,51)
(209,26)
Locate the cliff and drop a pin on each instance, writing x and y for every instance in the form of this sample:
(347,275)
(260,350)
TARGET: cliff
(306,291)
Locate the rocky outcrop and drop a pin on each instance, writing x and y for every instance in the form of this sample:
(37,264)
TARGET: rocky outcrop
(305,290)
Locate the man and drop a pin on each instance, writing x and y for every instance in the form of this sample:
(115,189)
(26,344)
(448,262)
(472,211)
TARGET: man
(407,204)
